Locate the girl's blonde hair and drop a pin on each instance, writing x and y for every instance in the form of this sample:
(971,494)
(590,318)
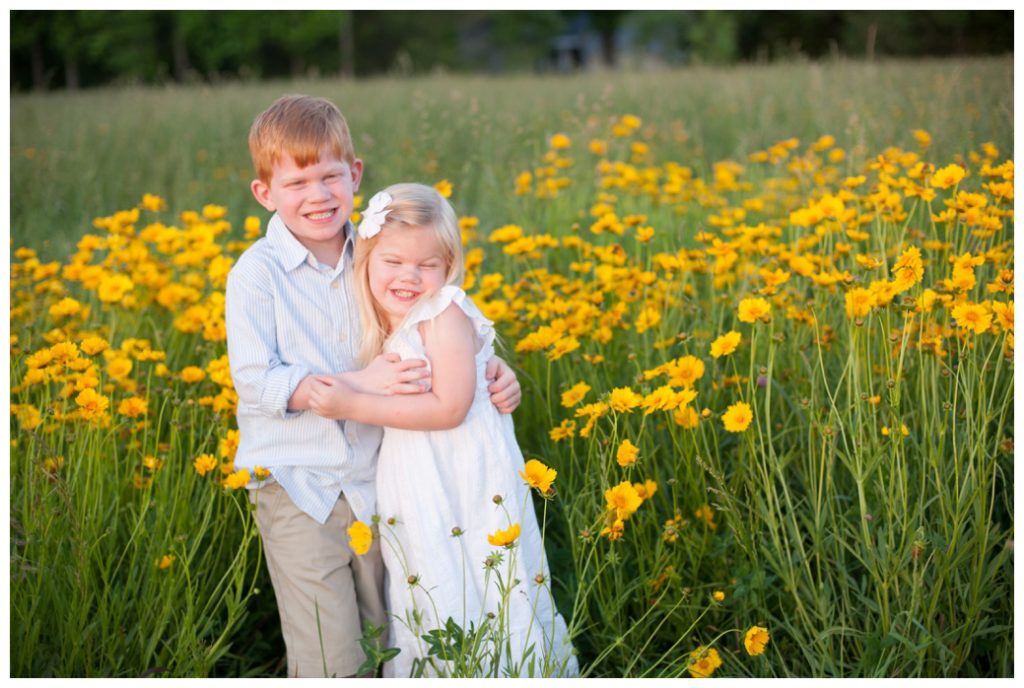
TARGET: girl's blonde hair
(412,205)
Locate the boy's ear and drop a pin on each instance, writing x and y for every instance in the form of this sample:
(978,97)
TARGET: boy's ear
(357,173)
(261,191)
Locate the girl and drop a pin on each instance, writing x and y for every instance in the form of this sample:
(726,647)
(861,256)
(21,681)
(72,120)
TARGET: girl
(461,538)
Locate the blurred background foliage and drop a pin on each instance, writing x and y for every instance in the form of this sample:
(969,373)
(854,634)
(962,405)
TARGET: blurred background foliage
(83,48)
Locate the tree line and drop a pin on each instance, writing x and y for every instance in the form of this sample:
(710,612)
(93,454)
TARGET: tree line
(82,48)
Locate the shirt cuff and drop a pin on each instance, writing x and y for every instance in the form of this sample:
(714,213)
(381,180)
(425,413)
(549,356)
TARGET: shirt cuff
(281,384)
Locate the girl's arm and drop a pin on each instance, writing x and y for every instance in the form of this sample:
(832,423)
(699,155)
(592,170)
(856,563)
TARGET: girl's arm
(451,347)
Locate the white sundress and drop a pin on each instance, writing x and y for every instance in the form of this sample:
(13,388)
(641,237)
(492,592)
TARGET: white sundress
(429,483)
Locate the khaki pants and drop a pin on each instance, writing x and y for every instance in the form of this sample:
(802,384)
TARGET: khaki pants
(315,573)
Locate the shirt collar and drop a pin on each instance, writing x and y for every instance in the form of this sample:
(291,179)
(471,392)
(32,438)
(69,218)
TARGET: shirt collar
(290,250)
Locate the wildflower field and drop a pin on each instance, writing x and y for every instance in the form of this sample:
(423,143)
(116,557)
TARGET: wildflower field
(762,317)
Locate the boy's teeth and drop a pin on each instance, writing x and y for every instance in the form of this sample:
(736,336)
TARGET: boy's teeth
(321,216)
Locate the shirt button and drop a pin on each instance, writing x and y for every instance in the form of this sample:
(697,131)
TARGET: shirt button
(335,284)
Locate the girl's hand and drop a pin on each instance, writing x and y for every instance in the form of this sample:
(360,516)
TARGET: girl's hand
(330,397)
(389,374)
(505,391)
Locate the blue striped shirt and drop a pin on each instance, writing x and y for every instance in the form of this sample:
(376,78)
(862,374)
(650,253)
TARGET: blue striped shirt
(288,316)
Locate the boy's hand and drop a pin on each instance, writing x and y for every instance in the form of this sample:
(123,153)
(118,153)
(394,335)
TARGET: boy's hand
(389,374)
(330,397)
(299,400)
(505,391)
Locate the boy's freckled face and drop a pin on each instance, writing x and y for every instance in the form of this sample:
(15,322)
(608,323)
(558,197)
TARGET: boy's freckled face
(406,265)
(314,201)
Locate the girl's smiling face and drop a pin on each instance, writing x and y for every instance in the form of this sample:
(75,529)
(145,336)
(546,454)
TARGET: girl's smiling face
(406,265)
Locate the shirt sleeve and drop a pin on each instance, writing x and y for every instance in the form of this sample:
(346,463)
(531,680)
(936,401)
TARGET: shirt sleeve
(262,381)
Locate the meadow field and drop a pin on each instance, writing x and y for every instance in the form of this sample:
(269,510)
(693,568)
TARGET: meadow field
(762,317)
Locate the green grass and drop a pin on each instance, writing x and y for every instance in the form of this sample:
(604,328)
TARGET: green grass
(76,157)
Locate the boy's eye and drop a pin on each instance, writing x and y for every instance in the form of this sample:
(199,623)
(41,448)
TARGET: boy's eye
(391,262)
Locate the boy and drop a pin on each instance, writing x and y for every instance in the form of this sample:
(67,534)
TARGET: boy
(290,315)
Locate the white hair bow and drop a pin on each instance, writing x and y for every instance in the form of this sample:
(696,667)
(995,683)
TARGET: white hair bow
(374,215)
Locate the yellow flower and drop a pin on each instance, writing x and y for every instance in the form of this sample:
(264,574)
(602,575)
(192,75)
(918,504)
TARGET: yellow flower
(132,407)
(858,302)
(153,203)
(575,394)
(737,417)
(726,344)
(504,538)
(706,514)
(204,463)
(948,176)
(113,288)
(565,430)
(718,596)
(119,367)
(65,307)
(538,475)
(94,345)
(646,489)
(360,537)
(560,142)
(754,309)
(623,499)
(598,147)
(261,473)
(237,480)
(755,640)
(91,404)
(973,316)
(444,187)
(191,374)
(703,662)
(686,417)
(624,399)
(165,561)
(923,138)
(627,454)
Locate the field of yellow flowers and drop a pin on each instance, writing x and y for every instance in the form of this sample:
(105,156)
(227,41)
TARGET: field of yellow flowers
(776,390)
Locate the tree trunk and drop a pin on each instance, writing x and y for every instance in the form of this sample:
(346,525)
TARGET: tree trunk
(180,52)
(71,81)
(347,45)
(38,66)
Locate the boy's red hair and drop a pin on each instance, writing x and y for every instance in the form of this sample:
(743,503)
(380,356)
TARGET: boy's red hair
(299,126)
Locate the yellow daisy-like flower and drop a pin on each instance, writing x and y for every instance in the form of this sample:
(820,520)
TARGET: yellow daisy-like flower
(538,475)
(755,640)
(973,316)
(754,309)
(726,344)
(360,537)
(703,662)
(113,288)
(575,394)
(948,176)
(627,454)
(237,480)
(624,399)
(191,374)
(94,345)
(165,561)
(560,142)
(444,187)
(204,463)
(505,538)
(718,596)
(737,417)
(91,404)
(623,499)
(859,302)
(133,407)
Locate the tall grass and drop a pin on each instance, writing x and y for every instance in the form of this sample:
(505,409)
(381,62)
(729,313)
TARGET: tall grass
(864,516)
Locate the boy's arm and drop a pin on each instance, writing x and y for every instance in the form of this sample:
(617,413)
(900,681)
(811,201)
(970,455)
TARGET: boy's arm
(260,378)
(450,344)
(505,391)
